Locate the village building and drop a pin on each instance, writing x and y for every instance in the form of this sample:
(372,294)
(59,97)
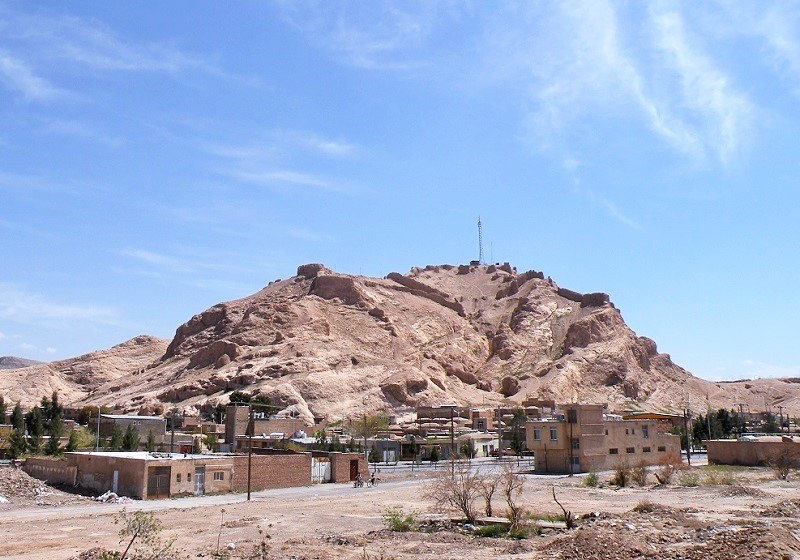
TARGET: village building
(144,425)
(586,438)
(144,475)
(238,423)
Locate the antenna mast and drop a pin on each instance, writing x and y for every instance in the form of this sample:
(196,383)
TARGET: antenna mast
(480,242)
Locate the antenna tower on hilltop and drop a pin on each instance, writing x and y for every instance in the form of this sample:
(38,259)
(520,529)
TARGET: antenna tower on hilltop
(480,242)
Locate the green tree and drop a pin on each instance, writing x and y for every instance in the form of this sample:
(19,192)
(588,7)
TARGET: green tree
(468,449)
(434,456)
(517,423)
(150,445)
(197,446)
(18,418)
(210,441)
(130,440)
(56,431)
(17,445)
(35,423)
(240,397)
(320,440)
(74,440)
(115,442)
(368,426)
(219,413)
(374,454)
(2,410)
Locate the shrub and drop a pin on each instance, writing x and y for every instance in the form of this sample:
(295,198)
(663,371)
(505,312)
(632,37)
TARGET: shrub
(667,468)
(492,531)
(720,475)
(521,532)
(783,463)
(689,478)
(399,521)
(644,506)
(639,475)
(591,480)
(622,475)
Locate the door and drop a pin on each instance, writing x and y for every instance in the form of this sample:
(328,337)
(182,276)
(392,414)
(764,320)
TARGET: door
(199,480)
(320,470)
(115,482)
(158,482)
(353,469)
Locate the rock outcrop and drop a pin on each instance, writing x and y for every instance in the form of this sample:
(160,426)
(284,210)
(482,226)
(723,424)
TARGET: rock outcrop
(328,344)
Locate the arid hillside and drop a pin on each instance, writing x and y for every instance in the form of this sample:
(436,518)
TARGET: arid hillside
(334,345)
(12,362)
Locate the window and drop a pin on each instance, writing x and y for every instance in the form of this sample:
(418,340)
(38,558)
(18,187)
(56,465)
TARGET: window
(645,432)
(626,431)
(219,475)
(630,450)
(645,450)
(537,433)
(613,451)
(178,477)
(633,431)
(188,477)
(661,449)
(576,443)
(572,416)
(606,432)
(553,433)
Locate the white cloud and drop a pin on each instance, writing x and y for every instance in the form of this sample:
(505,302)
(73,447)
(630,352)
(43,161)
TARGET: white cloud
(27,346)
(283,177)
(20,305)
(19,77)
(50,350)
(705,90)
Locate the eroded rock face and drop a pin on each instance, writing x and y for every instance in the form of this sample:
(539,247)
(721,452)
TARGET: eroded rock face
(335,286)
(310,271)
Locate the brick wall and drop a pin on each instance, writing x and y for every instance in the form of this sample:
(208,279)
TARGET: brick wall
(340,466)
(272,471)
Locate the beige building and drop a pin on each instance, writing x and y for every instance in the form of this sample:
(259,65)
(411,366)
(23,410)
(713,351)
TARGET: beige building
(584,436)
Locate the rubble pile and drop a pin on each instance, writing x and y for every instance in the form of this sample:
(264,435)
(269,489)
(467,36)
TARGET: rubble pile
(112,498)
(18,487)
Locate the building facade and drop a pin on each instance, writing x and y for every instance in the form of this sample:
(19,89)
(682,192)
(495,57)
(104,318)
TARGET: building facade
(582,438)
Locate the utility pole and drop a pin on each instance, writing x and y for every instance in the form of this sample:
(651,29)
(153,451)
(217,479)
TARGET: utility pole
(708,418)
(97,445)
(250,428)
(569,421)
(172,432)
(686,428)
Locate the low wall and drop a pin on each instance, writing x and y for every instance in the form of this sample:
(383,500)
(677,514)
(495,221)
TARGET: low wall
(748,453)
(52,471)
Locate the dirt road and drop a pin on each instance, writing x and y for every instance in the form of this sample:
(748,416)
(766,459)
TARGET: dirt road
(339,521)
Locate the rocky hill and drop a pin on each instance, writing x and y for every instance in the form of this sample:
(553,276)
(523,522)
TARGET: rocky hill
(12,362)
(334,345)
(78,378)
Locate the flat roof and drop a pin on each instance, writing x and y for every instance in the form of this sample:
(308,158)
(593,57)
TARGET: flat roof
(132,417)
(147,456)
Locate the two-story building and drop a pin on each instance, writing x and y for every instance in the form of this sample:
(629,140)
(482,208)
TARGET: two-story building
(587,438)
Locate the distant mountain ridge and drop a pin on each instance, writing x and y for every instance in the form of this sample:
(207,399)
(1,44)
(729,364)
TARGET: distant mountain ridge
(13,362)
(337,345)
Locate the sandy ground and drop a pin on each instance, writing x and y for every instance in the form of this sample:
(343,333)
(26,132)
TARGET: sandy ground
(339,521)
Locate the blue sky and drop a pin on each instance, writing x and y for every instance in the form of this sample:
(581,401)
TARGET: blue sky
(155,162)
